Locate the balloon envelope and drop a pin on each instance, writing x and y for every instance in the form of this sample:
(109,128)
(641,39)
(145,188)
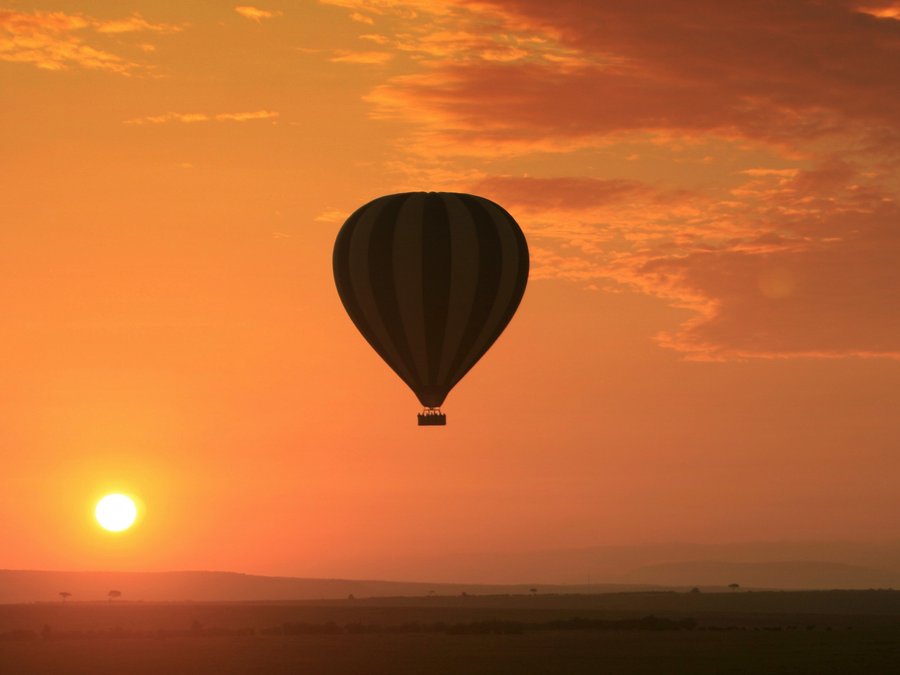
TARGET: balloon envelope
(431,279)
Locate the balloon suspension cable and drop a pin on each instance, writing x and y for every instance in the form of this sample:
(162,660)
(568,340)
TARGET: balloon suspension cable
(432,417)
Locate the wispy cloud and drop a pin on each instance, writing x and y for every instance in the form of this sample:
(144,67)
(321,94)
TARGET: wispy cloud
(332,216)
(435,31)
(57,40)
(364,57)
(255,13)
(883,9)
(376,38)
(191,118)
(134,24)
(246,116)
(515,73)
(792,263)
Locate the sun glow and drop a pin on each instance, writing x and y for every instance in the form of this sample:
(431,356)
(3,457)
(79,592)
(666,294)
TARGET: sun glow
(116,512)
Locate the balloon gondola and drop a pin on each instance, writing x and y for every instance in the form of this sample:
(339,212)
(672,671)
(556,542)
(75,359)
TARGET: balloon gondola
(431,279)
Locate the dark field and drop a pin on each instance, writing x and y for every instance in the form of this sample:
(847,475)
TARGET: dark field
(808,632)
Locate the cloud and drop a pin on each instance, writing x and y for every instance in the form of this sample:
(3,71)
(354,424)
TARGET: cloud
(57,41)
(567,193)
(376,38)
(783,245)
(793,263)
(368,57)
(134,24)
(408,8)
(434,31)
(246,116)
(255,13)
(770,172)
(886,9)
(585,228)
(332,216)
(832,299)
(821,280)
(51,22)
(190,118)
(575,72)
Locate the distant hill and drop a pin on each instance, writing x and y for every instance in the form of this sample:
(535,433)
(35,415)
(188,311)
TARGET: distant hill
(612,564)
(774,565)
(18,586)
(782,575)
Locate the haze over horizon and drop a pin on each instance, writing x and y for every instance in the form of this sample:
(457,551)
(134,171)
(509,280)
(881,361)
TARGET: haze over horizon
(787,565)
(708,350)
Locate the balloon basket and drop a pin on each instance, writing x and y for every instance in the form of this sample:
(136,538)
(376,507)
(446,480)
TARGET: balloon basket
(432,417)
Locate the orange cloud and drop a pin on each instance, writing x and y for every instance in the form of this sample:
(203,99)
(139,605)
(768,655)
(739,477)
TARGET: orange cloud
(133,24)
(572,194)
(57,41)
(886,9)
(189,118)
(800,264)
(332,216)
(255,13)
(832,298)
(370,57)
(373,37)
(246,116)
(409,8)
(577,72)
(435,31)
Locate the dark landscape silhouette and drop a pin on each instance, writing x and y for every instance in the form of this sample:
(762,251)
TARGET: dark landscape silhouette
(693,632)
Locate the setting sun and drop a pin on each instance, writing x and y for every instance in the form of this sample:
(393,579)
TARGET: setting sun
(116,512)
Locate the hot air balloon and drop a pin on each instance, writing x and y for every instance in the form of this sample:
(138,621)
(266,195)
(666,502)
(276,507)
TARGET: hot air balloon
(431,279)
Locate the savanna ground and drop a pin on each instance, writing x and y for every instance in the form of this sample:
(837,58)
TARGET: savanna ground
(771,632)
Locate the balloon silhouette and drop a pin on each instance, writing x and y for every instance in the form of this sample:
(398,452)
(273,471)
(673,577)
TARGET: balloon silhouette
(431,279)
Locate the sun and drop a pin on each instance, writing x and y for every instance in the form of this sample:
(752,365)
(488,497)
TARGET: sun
(116,512)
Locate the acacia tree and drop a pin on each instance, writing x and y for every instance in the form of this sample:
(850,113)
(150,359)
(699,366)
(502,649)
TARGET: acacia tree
(734,587)
(65,595)
(114,594)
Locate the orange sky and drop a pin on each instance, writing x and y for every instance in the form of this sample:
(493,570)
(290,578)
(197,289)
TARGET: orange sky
(708,349)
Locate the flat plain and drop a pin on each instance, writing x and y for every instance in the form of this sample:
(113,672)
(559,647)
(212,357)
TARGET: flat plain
(745,632)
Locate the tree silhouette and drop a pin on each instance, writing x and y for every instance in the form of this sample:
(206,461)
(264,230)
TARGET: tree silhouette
(695,590)
(65,595)
(533,591)
(114,594)
(734,587)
